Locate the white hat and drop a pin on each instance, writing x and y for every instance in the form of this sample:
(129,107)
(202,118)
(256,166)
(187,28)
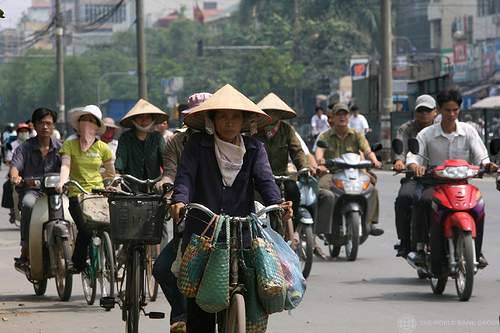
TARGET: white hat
(74,118)
(426,101)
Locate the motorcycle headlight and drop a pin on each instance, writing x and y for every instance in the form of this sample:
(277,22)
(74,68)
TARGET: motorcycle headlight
(460,172)
(355,187)
(51,181)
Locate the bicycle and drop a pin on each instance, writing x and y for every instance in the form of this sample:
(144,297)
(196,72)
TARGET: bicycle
(153,250)
(234,318)
(101,263)
(136,221)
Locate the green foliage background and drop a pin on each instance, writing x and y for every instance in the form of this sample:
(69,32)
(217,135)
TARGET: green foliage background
(294,66)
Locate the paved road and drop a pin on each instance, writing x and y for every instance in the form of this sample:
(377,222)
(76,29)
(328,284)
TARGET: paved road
(372,294)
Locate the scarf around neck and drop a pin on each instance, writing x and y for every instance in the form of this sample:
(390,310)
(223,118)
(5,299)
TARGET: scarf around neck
(229,158)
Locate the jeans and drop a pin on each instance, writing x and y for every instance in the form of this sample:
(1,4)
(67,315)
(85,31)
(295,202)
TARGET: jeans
(27,204)
(168,283)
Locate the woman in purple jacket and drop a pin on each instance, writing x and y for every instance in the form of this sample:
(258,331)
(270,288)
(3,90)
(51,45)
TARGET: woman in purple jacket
(221,169)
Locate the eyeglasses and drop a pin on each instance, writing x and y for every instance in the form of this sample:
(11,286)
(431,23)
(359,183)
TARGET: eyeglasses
(90,120)
(420,110)
(45,123)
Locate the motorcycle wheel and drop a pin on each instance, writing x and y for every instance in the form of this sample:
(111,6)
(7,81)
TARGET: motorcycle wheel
(438,285)
(304,248)
(353,224)
(464,255)
(40,286)
(107,273)
(64,278)
(151,283)
(334,250)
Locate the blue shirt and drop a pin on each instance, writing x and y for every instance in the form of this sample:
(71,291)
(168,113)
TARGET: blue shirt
(28,159)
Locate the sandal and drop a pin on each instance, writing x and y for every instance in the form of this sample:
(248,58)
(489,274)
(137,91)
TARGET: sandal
(72,269)
(12,218)
(319,253)
(22,263)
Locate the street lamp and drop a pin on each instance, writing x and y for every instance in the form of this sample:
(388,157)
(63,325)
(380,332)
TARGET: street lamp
(109,74)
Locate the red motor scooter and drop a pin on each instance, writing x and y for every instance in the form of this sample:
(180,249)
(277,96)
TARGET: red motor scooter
(457,207)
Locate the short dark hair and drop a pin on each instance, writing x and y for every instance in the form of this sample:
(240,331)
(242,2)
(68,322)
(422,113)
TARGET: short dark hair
(354,107)
(451,94)
(331,105)
(41,113)
(319,108)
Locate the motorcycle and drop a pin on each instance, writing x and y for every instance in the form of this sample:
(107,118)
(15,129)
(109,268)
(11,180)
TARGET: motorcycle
(457,206)
(353,193)
(51,238)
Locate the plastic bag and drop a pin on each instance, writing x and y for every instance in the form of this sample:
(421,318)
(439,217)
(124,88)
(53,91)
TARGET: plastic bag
(292,269)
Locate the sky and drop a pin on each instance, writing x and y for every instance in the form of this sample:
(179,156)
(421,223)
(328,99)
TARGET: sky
(12,11)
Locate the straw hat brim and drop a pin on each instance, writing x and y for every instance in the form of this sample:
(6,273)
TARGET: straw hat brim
(273,102)
(73,120)
(227,98)
(143,107)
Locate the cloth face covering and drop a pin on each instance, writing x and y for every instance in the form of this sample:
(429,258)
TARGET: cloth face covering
(229,158)
(146,129)
(87,134)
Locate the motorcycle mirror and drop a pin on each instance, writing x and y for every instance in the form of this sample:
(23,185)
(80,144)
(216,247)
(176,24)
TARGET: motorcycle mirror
(397,146)
(376,146)
(495,146)
(413,145)
(322,144)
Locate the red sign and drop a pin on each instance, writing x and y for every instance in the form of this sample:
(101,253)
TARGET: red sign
(460,52)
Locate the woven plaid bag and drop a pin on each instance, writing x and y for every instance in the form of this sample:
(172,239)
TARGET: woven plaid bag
(271,283)
(256,315)
(213,292)
(194,261)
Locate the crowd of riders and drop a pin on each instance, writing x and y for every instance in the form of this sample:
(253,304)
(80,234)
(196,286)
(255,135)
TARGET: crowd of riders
(227,149)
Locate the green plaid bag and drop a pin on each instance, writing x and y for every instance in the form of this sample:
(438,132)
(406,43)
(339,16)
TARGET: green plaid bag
(213,292)
(256,315)
(194,261)
(271,283)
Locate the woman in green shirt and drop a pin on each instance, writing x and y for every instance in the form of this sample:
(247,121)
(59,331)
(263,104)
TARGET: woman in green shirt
(81,159)
(140,149)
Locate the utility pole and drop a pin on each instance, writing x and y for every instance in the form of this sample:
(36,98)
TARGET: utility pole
(385,78)
(141,50)
(60,68)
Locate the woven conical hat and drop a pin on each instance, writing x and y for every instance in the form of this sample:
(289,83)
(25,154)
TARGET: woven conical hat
(143,107)
(273,102)
(226,98)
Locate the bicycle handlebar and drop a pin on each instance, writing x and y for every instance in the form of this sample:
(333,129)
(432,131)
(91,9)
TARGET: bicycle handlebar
(211,214)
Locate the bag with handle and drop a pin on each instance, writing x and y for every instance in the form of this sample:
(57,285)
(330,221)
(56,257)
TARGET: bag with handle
(213,292)
(194,260)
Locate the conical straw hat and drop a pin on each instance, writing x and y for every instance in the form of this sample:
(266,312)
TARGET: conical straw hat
(227,98)
(273,102)
(143,107)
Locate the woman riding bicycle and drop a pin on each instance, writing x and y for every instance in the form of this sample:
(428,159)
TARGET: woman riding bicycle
(219,168)
(82,158)
(140,149)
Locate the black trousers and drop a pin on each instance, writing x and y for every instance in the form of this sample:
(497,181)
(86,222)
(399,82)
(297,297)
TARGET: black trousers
(403,208)
(83,238)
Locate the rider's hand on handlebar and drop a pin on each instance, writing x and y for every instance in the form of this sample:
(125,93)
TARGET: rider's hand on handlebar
(377,164)
(287,206)
(491,167)
(158,187)
(60,187)
(16,180)
(175,210)
(322,169)
(399,166)
(313,170)
(418,170)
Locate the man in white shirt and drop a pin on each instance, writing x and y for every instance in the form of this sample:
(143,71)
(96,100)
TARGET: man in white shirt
(358,121)
(450,139)
(319,122)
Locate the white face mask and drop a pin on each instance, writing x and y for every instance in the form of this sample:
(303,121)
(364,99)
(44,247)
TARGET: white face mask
(23,136)
(147,129)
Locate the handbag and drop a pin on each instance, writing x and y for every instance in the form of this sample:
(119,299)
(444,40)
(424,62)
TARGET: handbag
(95,209)
(292,269)
(194,261)
(271,283)
(213,292)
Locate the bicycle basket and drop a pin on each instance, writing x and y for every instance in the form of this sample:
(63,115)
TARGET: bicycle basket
(137,219)
(95,210)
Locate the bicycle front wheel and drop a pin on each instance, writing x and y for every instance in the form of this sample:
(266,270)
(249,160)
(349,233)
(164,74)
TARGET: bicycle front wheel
(133,292)
(107,267)
(236,317)
(151,283)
